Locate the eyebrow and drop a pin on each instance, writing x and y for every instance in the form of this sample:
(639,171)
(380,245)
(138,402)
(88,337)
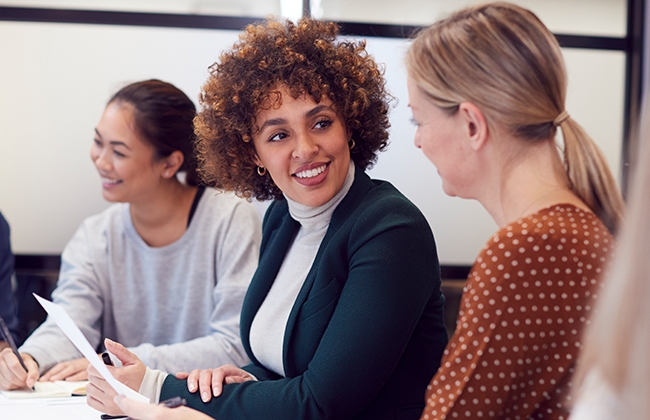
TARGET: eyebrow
(280,121)
(113,142)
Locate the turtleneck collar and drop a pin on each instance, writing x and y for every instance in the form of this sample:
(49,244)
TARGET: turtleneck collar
(310,216)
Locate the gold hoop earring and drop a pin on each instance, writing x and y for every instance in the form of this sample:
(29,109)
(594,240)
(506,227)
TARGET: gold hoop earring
(261,170)
(351,144)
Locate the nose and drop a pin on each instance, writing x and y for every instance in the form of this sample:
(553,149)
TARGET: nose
(306,147)
(417,141)
(99,156)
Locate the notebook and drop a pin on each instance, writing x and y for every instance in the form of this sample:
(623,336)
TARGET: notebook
(49,390)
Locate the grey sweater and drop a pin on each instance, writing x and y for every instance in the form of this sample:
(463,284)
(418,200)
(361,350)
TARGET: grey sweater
(176,307)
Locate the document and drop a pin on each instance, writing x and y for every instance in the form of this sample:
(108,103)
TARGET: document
(74,334)
(54,389)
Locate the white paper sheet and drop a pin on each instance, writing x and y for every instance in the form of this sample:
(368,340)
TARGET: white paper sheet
(70,329)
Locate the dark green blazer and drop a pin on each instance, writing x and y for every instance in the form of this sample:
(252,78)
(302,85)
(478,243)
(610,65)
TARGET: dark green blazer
(366,333)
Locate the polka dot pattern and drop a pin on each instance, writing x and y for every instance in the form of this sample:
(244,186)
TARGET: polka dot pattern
(523,309)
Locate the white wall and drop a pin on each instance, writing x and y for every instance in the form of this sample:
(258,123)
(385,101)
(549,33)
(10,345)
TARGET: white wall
(56,78)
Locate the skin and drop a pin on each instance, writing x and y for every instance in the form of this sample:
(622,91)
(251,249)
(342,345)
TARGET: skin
(142,411)
(443,140)
(302,135)
(131,173)
(304,147)
(510,177)
(12,374)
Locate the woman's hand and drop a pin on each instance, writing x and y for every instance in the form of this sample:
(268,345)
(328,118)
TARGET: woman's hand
(12,374)
(210,381)
(142,411)
(100,395)
(73,370)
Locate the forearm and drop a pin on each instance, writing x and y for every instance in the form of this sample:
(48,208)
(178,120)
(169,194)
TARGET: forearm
(49,346)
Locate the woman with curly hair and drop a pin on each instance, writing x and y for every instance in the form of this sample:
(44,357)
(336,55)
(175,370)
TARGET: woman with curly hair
(343,318)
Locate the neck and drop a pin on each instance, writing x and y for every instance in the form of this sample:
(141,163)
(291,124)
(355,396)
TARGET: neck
(520,185)
(160,218)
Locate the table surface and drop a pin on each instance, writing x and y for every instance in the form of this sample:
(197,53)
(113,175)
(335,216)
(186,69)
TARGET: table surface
(47,408)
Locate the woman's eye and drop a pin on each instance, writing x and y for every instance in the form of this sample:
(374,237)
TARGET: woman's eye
(119,154)
(324,123)
(97,142)
(414,122)
(277,137)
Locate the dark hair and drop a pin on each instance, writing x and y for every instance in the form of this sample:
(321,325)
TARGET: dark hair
(163,116)
(307,59)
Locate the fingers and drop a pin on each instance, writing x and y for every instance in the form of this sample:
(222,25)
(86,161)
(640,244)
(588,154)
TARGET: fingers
(74,370)
(121,352)
(32,370)
(100,396)
(79,376)
(205,385)
(133,409)
(12,373)
(218,376)
(193,380)
(182,375)
(227,374)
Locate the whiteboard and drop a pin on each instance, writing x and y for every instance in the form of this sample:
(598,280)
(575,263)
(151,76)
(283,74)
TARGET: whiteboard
(56,78)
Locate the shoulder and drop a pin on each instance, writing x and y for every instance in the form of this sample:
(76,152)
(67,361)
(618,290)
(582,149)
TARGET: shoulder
(275,214)
(107,220)
(380,206)
(557,228)
(220,209)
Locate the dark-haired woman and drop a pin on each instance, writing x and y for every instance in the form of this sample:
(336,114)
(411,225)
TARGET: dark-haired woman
(343,318)
(165,270)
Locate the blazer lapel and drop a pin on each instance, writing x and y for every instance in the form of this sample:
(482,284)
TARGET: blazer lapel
(360,187)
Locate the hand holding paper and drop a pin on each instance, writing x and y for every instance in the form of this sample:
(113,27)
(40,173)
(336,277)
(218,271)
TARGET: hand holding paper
(70,329)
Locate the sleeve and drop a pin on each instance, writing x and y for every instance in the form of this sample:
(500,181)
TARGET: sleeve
(7,303)
(78,291)
(392,273)
(237,252)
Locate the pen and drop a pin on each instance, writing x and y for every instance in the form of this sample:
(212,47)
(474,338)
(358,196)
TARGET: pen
(107,359)
(9,339)
(174,402)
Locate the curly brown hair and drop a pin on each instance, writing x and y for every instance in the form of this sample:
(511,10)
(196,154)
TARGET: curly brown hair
(307,59)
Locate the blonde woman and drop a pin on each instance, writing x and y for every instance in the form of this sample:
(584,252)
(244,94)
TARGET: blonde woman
(614,374)
(487,90)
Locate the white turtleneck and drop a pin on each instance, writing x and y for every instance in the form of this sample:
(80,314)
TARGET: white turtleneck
(269,324)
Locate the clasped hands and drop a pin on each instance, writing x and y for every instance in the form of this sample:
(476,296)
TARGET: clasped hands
(102,397)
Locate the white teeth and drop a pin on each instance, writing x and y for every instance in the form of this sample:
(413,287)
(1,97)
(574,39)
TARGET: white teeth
(310,173)
(110,181)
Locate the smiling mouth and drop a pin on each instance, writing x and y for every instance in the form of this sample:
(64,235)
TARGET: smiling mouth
(310,173)
(110,181)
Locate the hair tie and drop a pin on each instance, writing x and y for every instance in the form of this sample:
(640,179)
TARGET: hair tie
(561,118)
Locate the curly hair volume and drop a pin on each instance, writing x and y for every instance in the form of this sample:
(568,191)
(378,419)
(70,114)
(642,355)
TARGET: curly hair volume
(307,59)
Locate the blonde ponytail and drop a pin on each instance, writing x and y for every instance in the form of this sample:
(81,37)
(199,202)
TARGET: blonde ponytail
(589,176)
(502,58)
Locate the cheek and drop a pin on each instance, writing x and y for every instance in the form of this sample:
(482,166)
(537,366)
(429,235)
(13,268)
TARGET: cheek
(94,153)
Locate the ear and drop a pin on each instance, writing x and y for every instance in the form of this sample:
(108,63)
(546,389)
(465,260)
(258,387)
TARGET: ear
(476,127)
(172,164)
(257,161)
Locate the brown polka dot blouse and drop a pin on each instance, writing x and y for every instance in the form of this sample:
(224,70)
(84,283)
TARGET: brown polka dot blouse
(521,316)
